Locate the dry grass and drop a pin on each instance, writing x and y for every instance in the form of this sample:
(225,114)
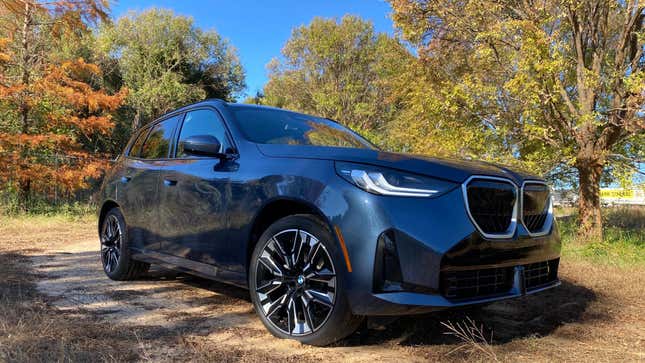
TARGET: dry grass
(27,232)
(598,314)
(626,217)
(472,337)
(31,331)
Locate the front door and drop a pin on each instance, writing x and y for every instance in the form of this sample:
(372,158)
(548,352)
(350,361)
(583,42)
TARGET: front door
(138,186)
(195,193)
(140,183)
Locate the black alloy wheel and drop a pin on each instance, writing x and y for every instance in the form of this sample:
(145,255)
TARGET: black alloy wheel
(111,242)
(115,252)
(296,282)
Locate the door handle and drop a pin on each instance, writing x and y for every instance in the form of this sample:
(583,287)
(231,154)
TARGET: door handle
(125,179)
(169,182)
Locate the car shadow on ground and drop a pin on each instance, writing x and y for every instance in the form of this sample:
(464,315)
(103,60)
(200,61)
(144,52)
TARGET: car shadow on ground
(503,321)
(534,315)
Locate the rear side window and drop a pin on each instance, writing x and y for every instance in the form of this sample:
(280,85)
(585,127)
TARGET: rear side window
(157,144)
(202,122)
(135,149)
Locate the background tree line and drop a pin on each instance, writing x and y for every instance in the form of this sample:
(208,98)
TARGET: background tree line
(556,87)
(75,84)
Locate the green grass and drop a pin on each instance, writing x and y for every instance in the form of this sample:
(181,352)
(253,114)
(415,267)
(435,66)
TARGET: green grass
(623,241)
(41,220)
(10,207)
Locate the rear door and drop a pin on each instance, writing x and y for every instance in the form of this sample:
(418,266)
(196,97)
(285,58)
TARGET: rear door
(195,195)
(140,183)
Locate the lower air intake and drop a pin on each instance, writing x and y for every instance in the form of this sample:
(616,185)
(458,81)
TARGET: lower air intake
(476,283)
(540,273)
(484,283)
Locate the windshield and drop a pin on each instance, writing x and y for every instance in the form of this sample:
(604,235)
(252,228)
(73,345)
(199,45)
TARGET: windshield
(268,126)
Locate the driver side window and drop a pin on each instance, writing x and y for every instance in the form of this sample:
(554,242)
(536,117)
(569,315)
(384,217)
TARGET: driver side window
(202,122)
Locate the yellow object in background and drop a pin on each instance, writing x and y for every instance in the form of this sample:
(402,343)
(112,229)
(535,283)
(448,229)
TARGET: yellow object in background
(634,196)
(617,193)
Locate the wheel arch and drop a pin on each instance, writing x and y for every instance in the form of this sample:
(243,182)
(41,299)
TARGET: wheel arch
(107,206)
(277,209)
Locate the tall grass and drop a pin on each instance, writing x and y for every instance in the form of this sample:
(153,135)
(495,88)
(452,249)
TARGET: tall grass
(623,242)
(10,207)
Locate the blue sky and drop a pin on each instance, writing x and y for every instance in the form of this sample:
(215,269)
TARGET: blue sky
(259,29)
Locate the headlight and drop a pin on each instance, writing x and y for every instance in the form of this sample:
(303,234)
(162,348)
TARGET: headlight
(385,181)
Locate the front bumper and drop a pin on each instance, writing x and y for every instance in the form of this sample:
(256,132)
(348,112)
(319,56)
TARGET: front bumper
(405,303)
(433,236)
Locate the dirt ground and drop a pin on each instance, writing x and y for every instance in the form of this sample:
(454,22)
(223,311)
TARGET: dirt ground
(58,305)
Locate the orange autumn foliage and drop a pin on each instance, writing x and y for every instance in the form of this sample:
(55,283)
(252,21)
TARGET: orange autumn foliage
(5,57)
(71,14)
(53,108)
(50,153)
(84,109)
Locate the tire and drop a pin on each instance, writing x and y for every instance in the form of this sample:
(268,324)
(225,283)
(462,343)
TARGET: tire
(115,252)
(297,284)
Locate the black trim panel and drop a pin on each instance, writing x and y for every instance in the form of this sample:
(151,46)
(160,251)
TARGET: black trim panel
(191,267)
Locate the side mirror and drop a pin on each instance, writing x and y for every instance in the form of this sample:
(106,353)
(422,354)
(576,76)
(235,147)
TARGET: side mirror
(203,145)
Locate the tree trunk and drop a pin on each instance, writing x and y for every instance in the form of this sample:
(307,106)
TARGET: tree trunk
(24,194)
(136,121)
(26,66)
(589,171)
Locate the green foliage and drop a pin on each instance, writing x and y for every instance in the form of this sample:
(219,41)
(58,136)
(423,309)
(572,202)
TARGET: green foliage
(258,99)
(441,118)
(340,69)
(12,206)
(166,61)
(623,243)
(550,85)
(514,70)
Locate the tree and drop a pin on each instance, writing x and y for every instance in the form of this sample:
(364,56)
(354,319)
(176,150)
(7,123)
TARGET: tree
(49,104)
(166,61)
(25,19)
(258,99)
(562,80)
(337,69)
(439,117)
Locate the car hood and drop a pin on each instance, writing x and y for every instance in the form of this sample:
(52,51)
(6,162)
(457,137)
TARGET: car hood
(455,170)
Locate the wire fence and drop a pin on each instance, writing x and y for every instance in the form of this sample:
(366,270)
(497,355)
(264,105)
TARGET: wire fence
(44,192)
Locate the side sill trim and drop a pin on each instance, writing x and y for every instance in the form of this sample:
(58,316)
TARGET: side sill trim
(196,268)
